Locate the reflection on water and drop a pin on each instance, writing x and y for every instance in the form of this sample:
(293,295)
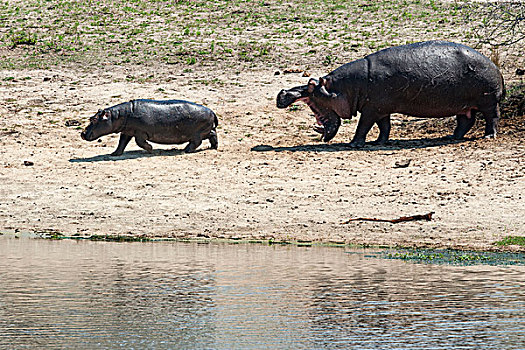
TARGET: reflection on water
(69,294)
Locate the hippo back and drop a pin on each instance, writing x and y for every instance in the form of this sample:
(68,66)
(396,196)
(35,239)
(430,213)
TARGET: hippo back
(432,78)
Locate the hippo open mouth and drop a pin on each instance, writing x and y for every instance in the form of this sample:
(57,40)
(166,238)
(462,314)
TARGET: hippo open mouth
(327,121)
(327,125)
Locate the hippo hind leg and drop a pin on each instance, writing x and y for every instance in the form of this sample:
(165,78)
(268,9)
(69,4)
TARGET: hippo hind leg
(491,116)
(384,131)
(194,143)
(213,139)
(142,143)
(464,124)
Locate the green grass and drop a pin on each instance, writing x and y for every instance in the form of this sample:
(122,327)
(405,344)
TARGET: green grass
(512,240)
(201,33)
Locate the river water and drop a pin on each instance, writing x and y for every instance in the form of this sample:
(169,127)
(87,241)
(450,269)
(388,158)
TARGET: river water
(92,295)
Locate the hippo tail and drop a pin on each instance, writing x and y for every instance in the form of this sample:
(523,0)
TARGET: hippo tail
(215,120)
(503,90)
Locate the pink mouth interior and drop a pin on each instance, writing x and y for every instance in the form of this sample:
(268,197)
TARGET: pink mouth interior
(319,124)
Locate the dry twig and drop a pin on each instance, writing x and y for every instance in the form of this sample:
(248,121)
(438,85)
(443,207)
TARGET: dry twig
(426,217)
(497,23)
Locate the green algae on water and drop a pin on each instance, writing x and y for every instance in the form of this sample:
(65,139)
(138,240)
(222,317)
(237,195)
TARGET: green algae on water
(455,257)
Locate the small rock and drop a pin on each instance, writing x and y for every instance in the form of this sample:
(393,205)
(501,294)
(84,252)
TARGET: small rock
(520,71)
(292,70)
(306,74)
(72,122)
(47,78)
(277,73)
(28,163)
(402,163)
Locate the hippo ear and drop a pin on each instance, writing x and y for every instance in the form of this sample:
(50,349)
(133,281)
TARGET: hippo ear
(326,82)
(106,115)
(312,83)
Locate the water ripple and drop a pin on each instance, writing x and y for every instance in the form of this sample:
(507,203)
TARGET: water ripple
(177,295)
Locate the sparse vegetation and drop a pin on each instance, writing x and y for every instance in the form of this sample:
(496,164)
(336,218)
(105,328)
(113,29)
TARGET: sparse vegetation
(21,37)
(512,240)
(245,33)
(514,103)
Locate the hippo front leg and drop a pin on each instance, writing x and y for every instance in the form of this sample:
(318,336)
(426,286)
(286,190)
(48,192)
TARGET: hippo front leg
(367,120)
(122,143)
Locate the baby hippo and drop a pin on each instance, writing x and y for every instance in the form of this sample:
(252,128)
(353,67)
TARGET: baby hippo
(165,122)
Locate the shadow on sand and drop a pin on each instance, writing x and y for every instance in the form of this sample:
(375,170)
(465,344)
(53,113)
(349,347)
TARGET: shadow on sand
(129,155)
(340,147)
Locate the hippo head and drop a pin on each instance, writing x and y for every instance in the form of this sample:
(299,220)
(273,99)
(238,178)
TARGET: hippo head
(287,97)
(102,123)
(321,102)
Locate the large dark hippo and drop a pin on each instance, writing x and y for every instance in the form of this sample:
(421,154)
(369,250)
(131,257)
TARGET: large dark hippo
(165,122)
(427,79)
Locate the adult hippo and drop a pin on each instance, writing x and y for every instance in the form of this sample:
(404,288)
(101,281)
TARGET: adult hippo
(427,79)
(165,122)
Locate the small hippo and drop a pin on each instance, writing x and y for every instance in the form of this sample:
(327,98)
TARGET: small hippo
(165,122)
(427,79)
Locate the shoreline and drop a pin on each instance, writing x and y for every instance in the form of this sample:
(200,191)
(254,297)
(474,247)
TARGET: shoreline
(496,248)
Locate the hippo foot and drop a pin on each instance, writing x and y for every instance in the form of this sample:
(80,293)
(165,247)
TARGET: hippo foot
(190,148)
(453,137)
(116,154)
(147,147)
(380,142)
(357,144)
(214,143)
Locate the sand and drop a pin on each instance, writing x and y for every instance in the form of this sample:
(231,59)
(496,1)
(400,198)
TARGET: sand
(271,178)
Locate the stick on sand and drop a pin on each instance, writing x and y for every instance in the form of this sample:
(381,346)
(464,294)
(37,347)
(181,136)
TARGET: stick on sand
(426,217)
